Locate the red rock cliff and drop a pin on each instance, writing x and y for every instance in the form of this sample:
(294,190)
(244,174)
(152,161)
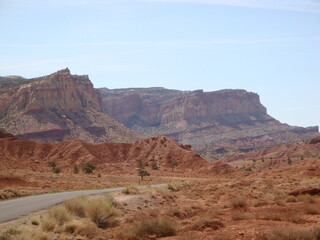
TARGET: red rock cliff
(58,107)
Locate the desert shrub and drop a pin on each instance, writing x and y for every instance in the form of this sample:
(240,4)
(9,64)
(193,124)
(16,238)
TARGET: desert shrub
(239,202)
(4,236)
(160,227)
(88,168)
(292,199)
(173,164)
(75,169)
(130,190)
(174,187)
(154,166)
(175,212)
(237,216)
(48,224)
(13,231)
(292,233)
(77,206)
(56,170)
(284,214)
(204,223)
(60,215)
(35,222)
(307,198)
(100,211)
(72,226)
(311,209)
(86,228)
(52,164)
(34,235)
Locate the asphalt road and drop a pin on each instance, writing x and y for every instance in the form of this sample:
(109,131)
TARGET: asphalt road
(15,208)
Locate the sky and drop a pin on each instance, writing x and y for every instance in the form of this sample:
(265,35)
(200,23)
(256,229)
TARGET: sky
(270,47)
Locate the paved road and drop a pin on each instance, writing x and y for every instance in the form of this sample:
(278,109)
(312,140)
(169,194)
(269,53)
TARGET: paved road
(15,208)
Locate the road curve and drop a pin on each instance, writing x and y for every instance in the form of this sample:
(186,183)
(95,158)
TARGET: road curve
(15,208)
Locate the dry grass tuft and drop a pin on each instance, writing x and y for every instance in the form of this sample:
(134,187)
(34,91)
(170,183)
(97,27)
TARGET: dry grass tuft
(99,211)
(306,198)
(291,199)
(237,216)
(311,209)
(174,187)
(35,222)
(131,190)
(87,229)
(48,224)
(158,227)
(83,227)
(292,233)
(60,215)
(204,223)
(77,206)
(34,235)
(282,214)
(239,202)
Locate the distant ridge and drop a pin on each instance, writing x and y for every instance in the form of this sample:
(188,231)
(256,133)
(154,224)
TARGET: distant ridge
(231,119)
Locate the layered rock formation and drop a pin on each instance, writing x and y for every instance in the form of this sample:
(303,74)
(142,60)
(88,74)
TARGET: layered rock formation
(232,119)
(108,157)
(55,108)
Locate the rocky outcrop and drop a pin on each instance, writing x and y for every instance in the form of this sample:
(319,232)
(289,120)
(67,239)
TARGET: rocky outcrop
(55,108)
(231,119)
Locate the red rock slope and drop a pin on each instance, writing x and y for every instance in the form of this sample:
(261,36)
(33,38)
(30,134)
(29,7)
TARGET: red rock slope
(108,157)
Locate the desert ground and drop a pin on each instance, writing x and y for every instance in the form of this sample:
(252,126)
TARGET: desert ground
(279,203)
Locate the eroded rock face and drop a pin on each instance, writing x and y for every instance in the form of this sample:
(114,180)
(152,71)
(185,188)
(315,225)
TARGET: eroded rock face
(55,108)
(159,106)
(206,120)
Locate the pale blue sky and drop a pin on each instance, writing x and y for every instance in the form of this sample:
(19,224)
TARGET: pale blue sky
(271,47)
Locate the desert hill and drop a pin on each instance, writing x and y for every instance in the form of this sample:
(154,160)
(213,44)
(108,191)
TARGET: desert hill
(56,108)
(306,149)
(18,153)
(296,155)
(214,123)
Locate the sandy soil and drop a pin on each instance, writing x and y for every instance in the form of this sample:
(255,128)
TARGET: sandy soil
(215,208)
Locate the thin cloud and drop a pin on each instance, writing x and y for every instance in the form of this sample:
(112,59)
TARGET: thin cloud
(286,5)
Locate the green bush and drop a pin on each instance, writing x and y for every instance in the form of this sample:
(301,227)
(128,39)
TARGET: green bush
(52,164)
(75,169)
(57,170)
(88,168)
(154,166)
